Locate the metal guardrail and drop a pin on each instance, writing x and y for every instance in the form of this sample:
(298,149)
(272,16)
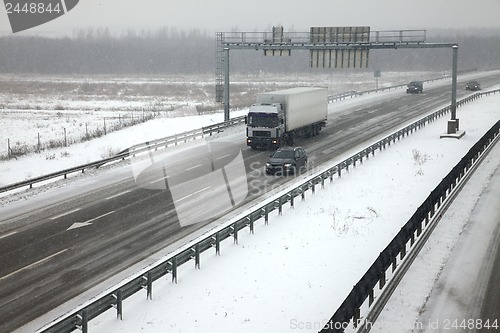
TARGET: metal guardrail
(405,240)
(136,149)
(170,140)
(393,281)
(351,94)
(79,318)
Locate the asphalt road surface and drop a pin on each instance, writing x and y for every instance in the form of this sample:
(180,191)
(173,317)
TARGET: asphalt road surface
(53,251)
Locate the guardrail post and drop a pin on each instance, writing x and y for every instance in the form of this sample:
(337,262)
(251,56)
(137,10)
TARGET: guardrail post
(197,256)
(280,208)
(149,285)
(217,243)
(371,297)
(119,304)
(381,281)
(402,254)
(234,228)
(355,318)
(251,223)
(83,321)
(173,264)
(266,215)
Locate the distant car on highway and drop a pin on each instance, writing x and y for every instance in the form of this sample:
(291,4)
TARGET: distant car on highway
(287,160)
(473,85)
(415,87)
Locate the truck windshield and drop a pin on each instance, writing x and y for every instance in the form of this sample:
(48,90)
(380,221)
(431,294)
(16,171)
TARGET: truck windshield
(263,119)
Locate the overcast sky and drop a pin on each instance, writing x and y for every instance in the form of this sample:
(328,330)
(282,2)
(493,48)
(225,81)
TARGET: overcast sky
(261,15)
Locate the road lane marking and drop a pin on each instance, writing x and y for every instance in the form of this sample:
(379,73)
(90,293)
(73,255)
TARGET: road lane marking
(77,225)
(190,195)
(64,214)
(96,218)
(118,194)
(33,264)
(221,157)
(7,235)
(193,167)
(158,180)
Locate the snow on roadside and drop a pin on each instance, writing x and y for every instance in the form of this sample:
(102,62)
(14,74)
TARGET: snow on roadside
(34,165)
(294,273)
(461,235)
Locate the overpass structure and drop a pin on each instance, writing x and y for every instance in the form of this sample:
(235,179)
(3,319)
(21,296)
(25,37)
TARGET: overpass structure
(329,47)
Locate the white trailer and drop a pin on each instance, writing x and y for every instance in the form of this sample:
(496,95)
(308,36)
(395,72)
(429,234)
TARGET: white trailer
(280,116)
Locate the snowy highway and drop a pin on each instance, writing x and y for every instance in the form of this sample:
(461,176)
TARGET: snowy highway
(294,273)
(111,212)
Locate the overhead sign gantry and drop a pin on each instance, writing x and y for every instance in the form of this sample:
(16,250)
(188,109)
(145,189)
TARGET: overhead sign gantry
(329,47)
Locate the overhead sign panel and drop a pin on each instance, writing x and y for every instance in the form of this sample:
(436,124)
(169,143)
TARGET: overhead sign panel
(278,37)
(334,35)
(345,51)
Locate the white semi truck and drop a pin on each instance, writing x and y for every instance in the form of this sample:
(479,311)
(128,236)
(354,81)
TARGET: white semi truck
(280,116)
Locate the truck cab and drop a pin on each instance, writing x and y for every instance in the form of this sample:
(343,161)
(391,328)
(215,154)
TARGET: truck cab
(278,117)
(265,125)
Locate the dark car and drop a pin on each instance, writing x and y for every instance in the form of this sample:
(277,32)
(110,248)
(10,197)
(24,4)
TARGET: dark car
(287,160)
(415,87)
(472,85)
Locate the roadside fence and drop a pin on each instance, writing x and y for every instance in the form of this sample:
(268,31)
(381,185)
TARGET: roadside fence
(16,148)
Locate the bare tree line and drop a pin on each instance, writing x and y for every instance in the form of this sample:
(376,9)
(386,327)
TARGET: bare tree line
(172,51)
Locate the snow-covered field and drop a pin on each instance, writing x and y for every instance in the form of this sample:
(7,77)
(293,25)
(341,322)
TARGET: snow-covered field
(292,274)
(45,112)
